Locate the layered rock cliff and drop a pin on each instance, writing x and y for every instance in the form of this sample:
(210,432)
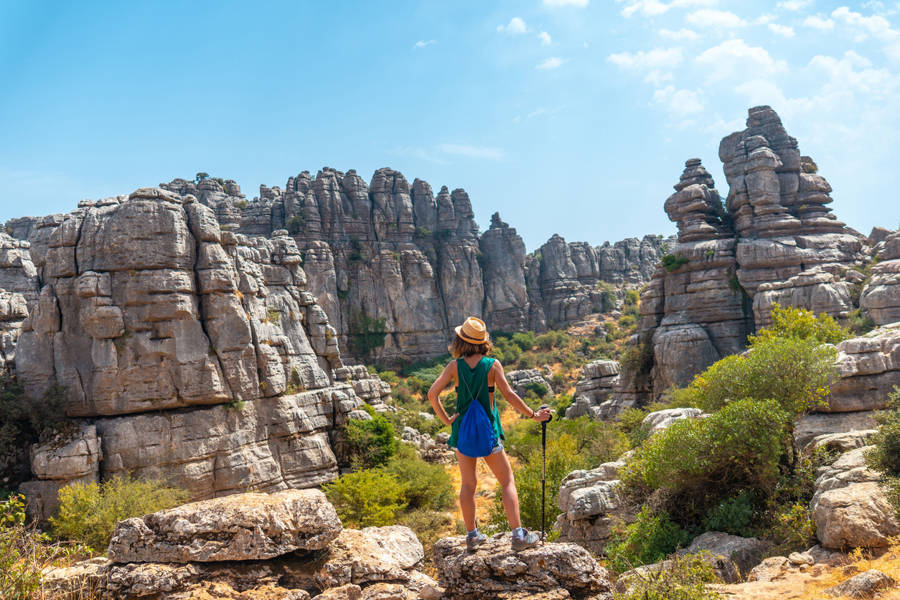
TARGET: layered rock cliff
(397,256)
(187,353)
(774,240)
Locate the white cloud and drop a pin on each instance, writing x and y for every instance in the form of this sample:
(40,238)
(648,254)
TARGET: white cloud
(735,59)
(782,30)
(681,34)
(423,43)
(657,77)
(653,8)
(555,3)
(764,19)
(875,26)
(545,38)
(718,19)
(652,59)
(516,26)
(486,152)
(794,5)
(554,62)
(681,103)
(817,22)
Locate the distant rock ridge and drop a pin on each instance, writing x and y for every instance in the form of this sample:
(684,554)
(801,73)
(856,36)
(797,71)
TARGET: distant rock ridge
(394,251)
(774,240)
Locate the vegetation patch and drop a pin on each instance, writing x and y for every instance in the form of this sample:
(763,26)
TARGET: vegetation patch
(671,262)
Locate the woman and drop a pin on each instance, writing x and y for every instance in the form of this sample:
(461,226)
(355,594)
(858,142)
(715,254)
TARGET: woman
(477,374)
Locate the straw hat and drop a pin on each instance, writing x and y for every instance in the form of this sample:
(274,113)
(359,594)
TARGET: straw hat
(473,330)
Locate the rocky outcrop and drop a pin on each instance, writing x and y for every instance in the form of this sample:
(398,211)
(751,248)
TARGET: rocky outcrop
(285,545)
(745,553)
(868,368)
(494,571)
(525,380)
(396,256)
(592,392)
(239,527)
(880,298)
(197,355)
(774,241)
(592,506)
(18,287)
(865,585)
(849,506)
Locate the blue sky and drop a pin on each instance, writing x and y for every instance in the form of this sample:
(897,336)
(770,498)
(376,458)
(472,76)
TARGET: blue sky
(567,116)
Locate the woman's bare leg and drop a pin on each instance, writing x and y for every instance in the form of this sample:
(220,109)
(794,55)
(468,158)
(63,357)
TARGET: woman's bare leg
(499,465)
(468,483)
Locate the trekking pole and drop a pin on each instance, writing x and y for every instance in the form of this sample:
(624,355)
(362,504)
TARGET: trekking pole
(543,468)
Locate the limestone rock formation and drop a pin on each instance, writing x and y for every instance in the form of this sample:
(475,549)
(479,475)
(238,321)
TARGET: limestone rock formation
(197,355)
(869,368)
(849,506)
(240,527)
(591,506)
(774,241)
(494,571)
(393,256)
(592,392)
(746,553)
(881,296)
(287,545)
(18,287)
(865,585)
(527,379)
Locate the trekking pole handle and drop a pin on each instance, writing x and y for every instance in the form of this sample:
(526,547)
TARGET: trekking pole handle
(542,407)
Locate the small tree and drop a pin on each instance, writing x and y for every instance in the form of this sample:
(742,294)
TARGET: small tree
(371,443)
(200,177)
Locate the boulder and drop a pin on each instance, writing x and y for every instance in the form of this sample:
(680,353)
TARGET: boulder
(241,527)
(746,553)
(495,571)
(662,419)
(858,515)
(865,585)
(523,380)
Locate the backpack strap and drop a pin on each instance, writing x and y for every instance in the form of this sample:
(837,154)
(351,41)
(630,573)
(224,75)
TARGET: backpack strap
(490,378)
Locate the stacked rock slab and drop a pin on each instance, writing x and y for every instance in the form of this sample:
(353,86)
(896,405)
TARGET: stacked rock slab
(881,296)
(284,545)
(18,286)
(198,355)
(693,313)
(399,253)
(592,392)
(775,241)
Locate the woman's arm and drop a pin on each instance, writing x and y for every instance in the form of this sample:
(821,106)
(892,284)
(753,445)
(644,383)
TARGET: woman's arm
(513,398)
(434,393)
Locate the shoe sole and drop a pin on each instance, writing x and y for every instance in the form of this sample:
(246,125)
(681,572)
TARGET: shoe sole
(473,547)
(523,545)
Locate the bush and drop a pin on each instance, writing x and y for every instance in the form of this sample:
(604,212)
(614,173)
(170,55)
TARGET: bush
(596,442)
(562,459)
(800,323)
(23,423)
(425,485)
(371,497)
(796,372)
(791,528)
(734,516)
(366,334)
(884,457)
(370,443)
(739,448)
(25,553)
(525,341)
(552,339)
(671,263)
(88,513)
(649,539)
(684,578)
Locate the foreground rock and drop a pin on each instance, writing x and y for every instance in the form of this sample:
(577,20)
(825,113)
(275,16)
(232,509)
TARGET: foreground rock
(850,508)
(591,506)
(494,571)
(287,545)
(745,553)
(240,527)
(864,585)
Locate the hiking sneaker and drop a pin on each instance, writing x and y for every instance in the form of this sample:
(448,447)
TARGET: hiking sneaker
(475,539)
(522,539)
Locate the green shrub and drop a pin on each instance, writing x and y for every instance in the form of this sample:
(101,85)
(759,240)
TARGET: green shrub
(371,497)
(801,323)
(24,422)
(671,263)
(562,459)
(525,341)
(739,448)
(425,485)
(631,423)
(794,371)
(608,299)
(684,578)
(538,390)
(596,442)
(649,539)
(26,552)
(88,513)
(367,333)
(734,516)
(858,323)
(552,339)
(791,528)
(370,443)
(884,457)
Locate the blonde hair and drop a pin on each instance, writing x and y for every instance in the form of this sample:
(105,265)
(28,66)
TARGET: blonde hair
(460,347)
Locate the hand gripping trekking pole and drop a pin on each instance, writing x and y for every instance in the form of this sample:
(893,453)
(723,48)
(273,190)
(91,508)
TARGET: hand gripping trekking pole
(543,468)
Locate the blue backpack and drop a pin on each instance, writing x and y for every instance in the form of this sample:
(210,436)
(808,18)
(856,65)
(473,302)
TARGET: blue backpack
(476,437)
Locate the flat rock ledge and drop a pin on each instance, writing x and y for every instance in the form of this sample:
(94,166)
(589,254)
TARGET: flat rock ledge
(241,527)
(494,571)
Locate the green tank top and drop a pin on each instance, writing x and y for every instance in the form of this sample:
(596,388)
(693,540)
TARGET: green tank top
(476,382)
